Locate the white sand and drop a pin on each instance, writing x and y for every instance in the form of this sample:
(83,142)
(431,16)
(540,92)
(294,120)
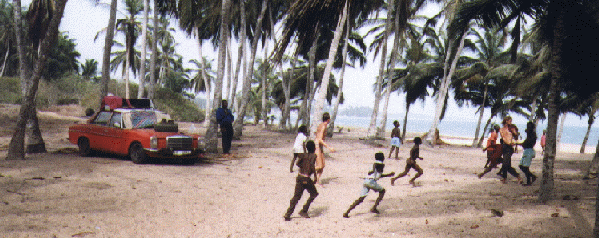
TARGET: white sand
(246,196)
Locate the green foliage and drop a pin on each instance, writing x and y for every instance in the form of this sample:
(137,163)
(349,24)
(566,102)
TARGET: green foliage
(10,91)
(177,106)
(62,58)
(73,88)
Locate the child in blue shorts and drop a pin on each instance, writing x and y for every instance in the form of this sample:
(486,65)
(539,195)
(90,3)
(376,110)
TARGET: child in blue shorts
(395,140)
(370,183)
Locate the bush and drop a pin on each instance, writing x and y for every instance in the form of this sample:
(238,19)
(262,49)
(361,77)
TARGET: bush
(10,91)
(73,89)
(177,106)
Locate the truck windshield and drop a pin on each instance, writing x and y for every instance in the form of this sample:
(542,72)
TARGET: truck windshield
(142,119)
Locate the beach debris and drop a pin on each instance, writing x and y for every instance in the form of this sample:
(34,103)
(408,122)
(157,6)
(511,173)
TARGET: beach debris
(474,226)
(426,221)
(570,197)
(555,214)
(83,234)
(497,213)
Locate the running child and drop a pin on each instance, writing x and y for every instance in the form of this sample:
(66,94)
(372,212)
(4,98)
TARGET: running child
(529,153)
(494,152)
(411,162)
(299,146)
(370,183)
(395,140)
(303,182)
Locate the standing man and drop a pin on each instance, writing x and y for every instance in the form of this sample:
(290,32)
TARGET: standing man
(320,135)
(225,118)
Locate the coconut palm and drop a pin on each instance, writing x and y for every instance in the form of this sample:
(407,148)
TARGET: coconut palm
(305,16)
(89,69)
(15,147)
(144,37)
(108,41)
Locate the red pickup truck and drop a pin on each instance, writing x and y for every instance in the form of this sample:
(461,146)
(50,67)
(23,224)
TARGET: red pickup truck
(139,132)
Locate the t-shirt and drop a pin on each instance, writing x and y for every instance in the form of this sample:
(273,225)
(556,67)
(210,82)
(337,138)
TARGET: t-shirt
(298,145)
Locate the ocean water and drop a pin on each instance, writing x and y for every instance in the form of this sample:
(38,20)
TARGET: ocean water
(571,134)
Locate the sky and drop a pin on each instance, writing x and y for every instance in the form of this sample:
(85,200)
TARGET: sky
(83,19)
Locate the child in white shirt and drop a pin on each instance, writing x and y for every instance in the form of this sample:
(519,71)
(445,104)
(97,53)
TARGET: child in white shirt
(299,146)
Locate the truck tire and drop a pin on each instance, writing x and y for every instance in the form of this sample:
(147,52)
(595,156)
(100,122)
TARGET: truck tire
(137,153)
(84,148)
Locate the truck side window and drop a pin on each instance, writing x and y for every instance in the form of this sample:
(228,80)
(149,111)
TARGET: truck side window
(116,120)
(102,118)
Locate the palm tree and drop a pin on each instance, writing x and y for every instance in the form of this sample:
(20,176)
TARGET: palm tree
(15,148)
(591,114)
(238,123)
(89,69)
(489,45)
(108,41)
(144,36)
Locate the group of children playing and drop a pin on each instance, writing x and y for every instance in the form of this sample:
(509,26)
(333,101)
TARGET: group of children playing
(307,160)
(304,153)
(502,153)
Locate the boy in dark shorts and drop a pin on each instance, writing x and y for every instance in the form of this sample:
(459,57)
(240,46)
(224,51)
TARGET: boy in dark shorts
(370,183)
(305,163)
(411,162)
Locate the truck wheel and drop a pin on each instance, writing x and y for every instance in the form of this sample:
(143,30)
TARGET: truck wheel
(137,153)
(84,149)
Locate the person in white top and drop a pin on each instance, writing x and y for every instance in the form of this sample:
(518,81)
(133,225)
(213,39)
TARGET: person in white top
(299,146)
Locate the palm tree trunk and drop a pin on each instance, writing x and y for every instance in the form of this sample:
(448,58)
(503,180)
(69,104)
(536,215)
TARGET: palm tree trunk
(144,39)
(560,132)
(482,137)
(207,82)
(4,62)
(445,88)
(240,56)
(586,137)
(593,168)
(378,85)
(15,147)
(480,117)
(264,88)
(307,100)
(211,132)
(324,85)
(547,183)
(20,47)
(108,41)
(331,128)
(238,124)
(151,90)
(229,83)
(127,67)
(405,123)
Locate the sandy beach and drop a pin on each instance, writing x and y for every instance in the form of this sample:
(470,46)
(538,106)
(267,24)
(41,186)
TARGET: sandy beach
(60,194)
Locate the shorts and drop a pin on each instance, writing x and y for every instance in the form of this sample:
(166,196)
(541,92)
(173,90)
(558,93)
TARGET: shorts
(395,142)
(527,157)
(370,184)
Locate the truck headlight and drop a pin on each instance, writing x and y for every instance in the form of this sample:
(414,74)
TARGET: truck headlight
(201,144)
(153,142)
